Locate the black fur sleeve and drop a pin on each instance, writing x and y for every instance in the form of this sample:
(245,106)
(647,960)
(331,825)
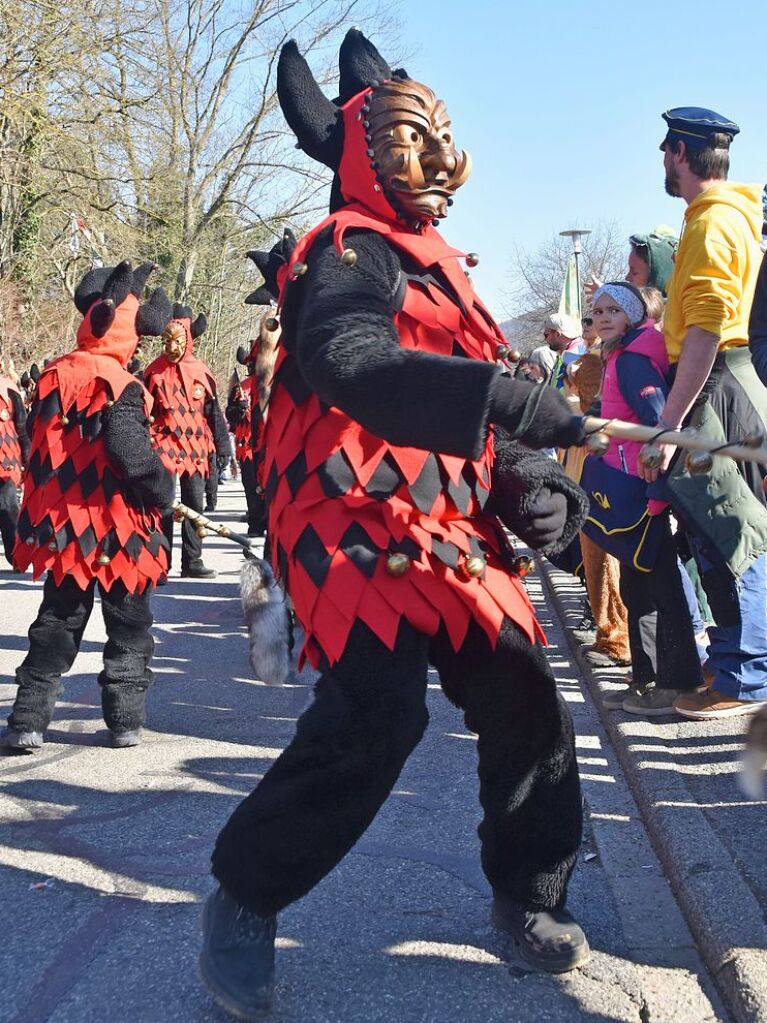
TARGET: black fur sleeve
(20,421)
(218,427)
(518,478)
(128,448)
(349,352)
(235,412)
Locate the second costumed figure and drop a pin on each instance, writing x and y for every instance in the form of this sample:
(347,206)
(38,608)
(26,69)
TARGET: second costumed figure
(188,426)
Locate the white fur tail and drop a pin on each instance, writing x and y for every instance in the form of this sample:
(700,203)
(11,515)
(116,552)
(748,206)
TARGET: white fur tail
(267,617)
(754,759)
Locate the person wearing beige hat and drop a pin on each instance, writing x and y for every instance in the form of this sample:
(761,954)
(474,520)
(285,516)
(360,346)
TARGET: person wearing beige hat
(562,333)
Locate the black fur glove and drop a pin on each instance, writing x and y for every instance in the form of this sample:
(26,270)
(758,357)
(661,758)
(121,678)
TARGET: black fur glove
(533,497)
(536,414)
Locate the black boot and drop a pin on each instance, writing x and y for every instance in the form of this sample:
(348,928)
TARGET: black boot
(237,958)
(21,741)
(197,570)
(124,739)
(548,940)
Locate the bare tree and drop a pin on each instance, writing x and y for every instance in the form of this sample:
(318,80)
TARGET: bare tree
(537,277)
(157,135)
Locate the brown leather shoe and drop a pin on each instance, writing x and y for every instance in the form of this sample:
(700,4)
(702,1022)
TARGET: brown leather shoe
(711,704)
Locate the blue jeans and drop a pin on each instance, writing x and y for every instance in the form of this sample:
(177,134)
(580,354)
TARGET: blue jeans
(737,652)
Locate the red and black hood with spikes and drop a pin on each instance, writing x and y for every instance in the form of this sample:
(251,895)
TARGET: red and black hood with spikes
(74,519)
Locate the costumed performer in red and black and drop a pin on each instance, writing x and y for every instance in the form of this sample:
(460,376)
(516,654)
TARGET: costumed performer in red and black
(14,456)
(91,511)
(245,413)
(188,426)
(390,464)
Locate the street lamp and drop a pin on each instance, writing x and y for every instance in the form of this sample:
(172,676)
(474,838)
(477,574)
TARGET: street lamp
(575,234)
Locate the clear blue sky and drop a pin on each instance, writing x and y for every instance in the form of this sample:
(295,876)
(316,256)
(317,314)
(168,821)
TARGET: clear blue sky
(559,104)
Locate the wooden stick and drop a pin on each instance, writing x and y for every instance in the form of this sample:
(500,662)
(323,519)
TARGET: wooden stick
(682,439)
(182,511)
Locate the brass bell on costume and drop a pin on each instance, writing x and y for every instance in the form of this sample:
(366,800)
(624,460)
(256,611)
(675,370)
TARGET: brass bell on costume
(650,456)
(64,420)
(698,463)
(523,565)
(598,443)
(298,270)
(271,323)
(474,566)
(472,259)
(103,559)
(5,415)
(349,257)
(397,564)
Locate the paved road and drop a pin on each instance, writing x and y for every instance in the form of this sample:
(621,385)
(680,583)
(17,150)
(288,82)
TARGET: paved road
(104,855)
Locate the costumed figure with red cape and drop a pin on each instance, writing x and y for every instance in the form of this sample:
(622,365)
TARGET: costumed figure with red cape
(188,425)
(14,455)
(91,511)
(245,411)
(389,466)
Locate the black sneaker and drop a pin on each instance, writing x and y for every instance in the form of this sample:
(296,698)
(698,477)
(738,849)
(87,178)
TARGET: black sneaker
(197,570)
(548,940)
(20,741)
(237,958)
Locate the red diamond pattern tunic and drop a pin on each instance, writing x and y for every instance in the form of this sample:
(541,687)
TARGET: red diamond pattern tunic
(243,441)
(11,466)
(341,500)
(180,431)
(74,519)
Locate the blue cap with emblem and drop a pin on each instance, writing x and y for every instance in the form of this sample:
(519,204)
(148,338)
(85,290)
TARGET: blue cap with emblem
(695,126)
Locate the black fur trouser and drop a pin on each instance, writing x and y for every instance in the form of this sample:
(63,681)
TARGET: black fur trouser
(211,484)
(255,500)
(192,495)
(368,714)
(9,514)
(54,640)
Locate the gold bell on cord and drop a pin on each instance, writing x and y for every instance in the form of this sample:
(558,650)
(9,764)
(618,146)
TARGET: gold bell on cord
(698,463)
(523,565)
(397,564)
(474,566)
(598,443)
(650,456)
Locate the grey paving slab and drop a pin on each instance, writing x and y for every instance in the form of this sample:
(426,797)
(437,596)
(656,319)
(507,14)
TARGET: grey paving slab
(104,854)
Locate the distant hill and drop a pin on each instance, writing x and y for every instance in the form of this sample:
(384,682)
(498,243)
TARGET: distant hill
(524,332)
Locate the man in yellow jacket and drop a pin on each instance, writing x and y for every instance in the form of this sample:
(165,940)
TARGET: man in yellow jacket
(716,390)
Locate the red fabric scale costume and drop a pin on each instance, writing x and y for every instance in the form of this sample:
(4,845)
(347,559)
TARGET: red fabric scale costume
(243,441)
(75,520)
(180,429)
(11,466)
(329,482)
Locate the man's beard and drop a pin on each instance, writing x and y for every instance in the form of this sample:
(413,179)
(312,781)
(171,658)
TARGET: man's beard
(672,184)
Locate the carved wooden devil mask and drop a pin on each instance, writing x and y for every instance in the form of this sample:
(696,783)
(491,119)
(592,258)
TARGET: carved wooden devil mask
(387,137)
